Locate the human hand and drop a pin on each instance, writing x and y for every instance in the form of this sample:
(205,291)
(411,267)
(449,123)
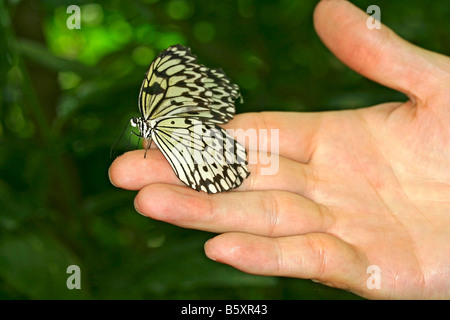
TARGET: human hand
(354,188)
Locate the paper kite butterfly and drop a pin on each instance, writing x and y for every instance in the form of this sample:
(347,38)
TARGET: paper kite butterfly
(181,104)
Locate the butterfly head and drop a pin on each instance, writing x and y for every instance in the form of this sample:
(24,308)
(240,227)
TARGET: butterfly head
(144,128)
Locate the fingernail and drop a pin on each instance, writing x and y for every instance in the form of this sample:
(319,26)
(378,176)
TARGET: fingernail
(109,176)
(208,254)
(136,207)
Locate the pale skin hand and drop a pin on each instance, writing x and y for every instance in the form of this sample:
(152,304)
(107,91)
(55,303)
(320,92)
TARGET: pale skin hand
(354,188)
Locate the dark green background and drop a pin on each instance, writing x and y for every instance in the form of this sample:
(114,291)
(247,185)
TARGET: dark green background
(68,94)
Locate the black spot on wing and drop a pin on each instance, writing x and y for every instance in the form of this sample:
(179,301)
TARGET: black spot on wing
(154,89)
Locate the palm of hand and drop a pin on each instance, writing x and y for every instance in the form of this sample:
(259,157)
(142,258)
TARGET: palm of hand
(378,175)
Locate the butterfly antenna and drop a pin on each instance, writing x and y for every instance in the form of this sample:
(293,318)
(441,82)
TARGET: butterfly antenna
(138,141)
(112,152)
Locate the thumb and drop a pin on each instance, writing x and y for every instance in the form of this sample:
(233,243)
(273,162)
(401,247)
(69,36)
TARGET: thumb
(379,54)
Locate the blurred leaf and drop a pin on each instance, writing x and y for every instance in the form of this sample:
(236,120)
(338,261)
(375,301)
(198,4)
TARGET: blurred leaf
(36,52)
(199,271)
(36,265)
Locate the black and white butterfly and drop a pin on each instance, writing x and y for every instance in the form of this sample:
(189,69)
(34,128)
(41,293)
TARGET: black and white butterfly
(181,104)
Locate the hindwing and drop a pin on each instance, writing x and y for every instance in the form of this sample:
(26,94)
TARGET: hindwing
(203,155)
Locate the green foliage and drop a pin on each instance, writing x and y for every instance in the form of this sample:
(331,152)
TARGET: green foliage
(67,94)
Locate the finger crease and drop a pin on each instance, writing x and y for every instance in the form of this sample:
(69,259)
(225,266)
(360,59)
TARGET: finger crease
(271,210)
(212,210)
(319,249)
(280,257)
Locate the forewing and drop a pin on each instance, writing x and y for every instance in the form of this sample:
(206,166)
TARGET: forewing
(176,85)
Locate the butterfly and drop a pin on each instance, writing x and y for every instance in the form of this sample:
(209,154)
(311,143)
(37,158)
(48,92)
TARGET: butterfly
(182,104)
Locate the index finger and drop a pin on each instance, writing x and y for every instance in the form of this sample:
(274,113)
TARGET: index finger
(290,134)
(132,171)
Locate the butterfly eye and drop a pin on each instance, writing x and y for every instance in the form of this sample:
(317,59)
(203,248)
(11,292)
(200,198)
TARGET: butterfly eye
(134,121)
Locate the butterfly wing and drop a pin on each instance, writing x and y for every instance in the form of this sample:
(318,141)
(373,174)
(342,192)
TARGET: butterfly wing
(203,155)
(176,85)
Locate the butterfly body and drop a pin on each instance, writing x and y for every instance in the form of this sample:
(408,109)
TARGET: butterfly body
(181,104)
(145,127)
